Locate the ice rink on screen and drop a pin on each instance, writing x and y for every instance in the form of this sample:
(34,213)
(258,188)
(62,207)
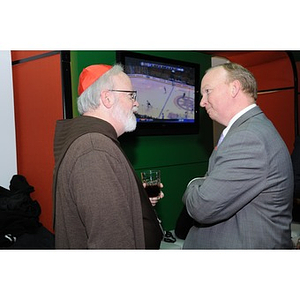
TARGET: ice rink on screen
(163,99)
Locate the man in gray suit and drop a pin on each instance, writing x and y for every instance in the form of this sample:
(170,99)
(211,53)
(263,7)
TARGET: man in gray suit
(245,199)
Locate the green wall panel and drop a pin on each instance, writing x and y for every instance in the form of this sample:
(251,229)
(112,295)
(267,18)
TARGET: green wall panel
(179,157)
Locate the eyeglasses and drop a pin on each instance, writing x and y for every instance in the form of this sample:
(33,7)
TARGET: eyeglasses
(132,94)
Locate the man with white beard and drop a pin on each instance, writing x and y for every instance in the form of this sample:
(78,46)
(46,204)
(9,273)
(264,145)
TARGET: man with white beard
(99,202)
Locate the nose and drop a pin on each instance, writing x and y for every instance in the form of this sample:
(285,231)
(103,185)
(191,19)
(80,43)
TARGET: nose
(203,101)
(135,103)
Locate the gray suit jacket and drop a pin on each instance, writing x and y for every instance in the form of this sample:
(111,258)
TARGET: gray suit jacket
(246,199)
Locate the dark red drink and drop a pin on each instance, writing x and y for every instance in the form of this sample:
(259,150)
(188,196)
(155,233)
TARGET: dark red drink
(152,190)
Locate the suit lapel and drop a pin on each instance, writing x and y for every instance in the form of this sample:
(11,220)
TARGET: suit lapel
(249,114)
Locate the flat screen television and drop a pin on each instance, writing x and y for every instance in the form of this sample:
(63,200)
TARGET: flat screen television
(168,93)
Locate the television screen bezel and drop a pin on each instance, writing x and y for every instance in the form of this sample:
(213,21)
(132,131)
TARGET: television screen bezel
(166,128)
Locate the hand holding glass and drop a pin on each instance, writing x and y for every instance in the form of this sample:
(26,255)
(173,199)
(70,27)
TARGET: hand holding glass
(151,182)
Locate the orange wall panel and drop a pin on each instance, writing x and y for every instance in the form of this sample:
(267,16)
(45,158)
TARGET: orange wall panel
(38,104)
(17,55)
(279,108)
(273,75)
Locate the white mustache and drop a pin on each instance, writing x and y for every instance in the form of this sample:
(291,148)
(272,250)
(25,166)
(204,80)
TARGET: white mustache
(134,109)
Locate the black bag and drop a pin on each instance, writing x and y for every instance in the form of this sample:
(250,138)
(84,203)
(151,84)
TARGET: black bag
(19,214)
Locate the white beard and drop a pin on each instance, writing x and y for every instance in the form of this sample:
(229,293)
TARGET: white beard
(130,125)
(128,120)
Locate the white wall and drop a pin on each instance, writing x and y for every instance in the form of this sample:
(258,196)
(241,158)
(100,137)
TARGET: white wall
(8,158)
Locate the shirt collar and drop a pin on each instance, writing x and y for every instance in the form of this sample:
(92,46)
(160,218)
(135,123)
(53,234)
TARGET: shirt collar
(239,114)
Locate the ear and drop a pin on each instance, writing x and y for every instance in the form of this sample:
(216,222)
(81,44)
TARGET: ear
(235,88)
(106,98)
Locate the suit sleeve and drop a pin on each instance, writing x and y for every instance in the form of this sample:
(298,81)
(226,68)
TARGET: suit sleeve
(237,176)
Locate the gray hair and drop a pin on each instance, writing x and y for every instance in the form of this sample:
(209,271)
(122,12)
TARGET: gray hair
(90,98)
(244,76)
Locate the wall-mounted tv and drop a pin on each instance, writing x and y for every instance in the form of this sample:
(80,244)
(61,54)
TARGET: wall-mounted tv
(168,92)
